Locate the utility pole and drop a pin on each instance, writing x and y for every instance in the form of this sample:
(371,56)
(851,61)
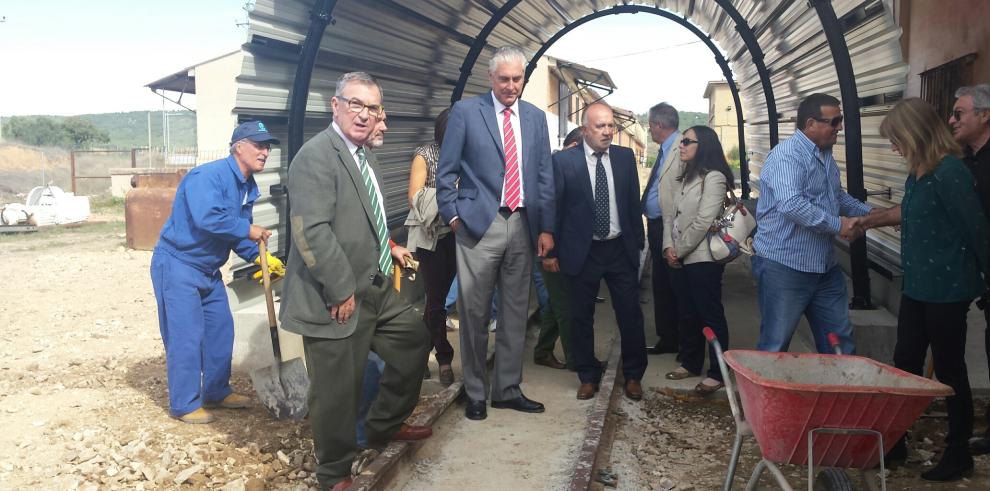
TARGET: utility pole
(149,138)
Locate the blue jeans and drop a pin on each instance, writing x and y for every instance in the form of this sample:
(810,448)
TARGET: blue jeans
(785,294)
(369,390)
(542,297)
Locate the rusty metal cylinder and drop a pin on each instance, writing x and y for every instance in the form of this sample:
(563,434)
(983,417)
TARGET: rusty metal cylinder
(148,206)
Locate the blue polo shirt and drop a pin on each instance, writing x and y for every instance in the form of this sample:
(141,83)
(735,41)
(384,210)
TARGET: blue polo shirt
(211,216)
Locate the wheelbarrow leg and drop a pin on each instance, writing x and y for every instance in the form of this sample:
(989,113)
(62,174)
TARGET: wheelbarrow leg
(774,470)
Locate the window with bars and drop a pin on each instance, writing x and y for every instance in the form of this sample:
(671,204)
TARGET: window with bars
(939,84)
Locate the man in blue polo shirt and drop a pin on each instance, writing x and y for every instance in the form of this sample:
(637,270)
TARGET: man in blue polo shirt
(210,217)
(802,206)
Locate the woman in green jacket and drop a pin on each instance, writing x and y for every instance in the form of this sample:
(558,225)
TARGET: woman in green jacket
(945,244)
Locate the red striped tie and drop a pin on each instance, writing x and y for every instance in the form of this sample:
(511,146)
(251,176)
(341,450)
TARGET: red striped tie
(512,188)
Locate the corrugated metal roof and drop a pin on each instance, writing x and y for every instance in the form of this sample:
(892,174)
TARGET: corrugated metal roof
(416,50)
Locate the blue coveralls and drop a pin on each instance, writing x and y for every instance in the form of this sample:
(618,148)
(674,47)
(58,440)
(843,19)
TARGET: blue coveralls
(210,217)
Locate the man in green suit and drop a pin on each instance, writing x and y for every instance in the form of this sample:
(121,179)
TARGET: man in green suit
(338,292)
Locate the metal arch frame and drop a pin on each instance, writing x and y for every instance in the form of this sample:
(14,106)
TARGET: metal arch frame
(836,38)
(320,16)
(479,43)
(746,32)
(719,59)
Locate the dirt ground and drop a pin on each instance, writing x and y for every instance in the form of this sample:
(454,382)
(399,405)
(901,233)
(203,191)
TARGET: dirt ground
(83,398)
(681,443)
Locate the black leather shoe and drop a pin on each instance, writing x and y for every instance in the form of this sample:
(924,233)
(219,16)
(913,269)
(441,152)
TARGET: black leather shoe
(520,403)
(659,349)
(980,447)
(476,410)
(954,466)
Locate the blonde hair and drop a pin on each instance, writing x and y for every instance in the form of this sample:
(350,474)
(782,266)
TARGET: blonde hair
(921,136)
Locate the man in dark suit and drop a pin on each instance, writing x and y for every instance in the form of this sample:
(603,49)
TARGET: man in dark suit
(495,189)
(663,121)
(337,292)
(599,235)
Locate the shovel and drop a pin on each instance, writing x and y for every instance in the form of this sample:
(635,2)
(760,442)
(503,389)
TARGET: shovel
(283,387)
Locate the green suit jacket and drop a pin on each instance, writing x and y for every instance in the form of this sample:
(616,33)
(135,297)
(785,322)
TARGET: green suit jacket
(335,247)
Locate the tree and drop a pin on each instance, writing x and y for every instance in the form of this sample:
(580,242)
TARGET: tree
(81,132)
(54,132)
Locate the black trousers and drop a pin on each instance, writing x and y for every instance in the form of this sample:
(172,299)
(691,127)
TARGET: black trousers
(438,267)
(607,260)
(943,326)
(664,301)
(986,345)
(699,296)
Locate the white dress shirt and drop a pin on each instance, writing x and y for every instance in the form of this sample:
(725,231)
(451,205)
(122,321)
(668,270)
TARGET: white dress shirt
(613,210)
(516,127)
(351,147)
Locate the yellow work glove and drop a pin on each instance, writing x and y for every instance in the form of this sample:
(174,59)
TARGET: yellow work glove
(275,267)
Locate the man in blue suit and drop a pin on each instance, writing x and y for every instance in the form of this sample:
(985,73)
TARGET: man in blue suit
(495,189)
(600,235)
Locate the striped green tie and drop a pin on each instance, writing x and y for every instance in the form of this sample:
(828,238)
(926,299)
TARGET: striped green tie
(385,258)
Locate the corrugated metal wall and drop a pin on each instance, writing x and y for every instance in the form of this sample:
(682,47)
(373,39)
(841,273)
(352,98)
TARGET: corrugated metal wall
(416,49)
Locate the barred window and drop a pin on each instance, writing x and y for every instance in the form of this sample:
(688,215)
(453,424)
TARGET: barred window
(939,84)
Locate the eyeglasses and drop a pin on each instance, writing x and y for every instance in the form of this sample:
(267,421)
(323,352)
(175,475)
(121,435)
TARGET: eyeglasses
(958,113)
(376,111)
(834,122)
(687,141)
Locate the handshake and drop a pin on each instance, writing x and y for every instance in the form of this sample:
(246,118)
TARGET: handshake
(853,228)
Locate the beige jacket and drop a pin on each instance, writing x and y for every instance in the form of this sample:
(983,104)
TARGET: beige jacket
(689,208)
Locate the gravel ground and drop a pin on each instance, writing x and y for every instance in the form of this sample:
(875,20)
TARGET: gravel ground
(676,442)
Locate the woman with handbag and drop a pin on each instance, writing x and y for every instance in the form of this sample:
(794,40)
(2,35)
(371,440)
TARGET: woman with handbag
(945,245)
(692,198)
(433,244)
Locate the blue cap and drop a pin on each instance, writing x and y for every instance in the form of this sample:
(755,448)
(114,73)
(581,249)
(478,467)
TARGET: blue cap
(254,131)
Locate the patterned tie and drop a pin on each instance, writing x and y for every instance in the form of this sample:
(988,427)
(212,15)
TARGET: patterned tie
(601,199)
(512,190)
(385,257)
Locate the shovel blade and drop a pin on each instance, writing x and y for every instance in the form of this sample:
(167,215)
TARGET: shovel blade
(283,389)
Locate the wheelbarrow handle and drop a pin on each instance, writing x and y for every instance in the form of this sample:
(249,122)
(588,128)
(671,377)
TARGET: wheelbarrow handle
(833,340)
(709,334)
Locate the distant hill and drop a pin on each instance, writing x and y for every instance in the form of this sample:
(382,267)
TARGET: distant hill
(130,129)
(687,119)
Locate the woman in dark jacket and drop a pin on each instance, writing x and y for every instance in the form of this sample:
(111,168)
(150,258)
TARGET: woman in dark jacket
(945,245)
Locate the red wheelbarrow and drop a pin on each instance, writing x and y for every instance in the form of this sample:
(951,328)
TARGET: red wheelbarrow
(834,411)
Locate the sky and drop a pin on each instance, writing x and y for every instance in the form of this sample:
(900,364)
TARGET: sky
(66,57)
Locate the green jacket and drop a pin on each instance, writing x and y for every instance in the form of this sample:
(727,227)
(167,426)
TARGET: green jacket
(335,250)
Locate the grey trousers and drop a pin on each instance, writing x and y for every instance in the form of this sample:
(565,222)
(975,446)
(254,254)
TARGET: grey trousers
(503,256)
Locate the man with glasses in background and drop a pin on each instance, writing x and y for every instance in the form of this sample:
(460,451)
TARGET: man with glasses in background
(802,206)
(338,290)
(970,122)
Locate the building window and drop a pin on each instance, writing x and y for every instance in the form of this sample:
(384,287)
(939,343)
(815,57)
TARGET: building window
(939,84)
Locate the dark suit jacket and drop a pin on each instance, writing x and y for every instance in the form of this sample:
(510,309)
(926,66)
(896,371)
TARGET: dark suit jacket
(472,152)
(334,243)
(575,205)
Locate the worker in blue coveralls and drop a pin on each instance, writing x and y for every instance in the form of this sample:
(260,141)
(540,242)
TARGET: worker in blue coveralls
(210,217)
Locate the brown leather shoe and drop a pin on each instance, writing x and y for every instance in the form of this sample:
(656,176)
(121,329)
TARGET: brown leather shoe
(342,485)
(587,391)
(408,433)
(550,361)
(634,391)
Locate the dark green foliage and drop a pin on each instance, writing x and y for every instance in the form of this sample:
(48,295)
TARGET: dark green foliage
(109,130)
(46,131)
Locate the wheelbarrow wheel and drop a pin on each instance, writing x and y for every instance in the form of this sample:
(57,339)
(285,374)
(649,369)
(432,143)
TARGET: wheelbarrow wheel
(833,479)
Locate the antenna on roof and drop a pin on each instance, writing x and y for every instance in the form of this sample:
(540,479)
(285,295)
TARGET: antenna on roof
(248,7)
